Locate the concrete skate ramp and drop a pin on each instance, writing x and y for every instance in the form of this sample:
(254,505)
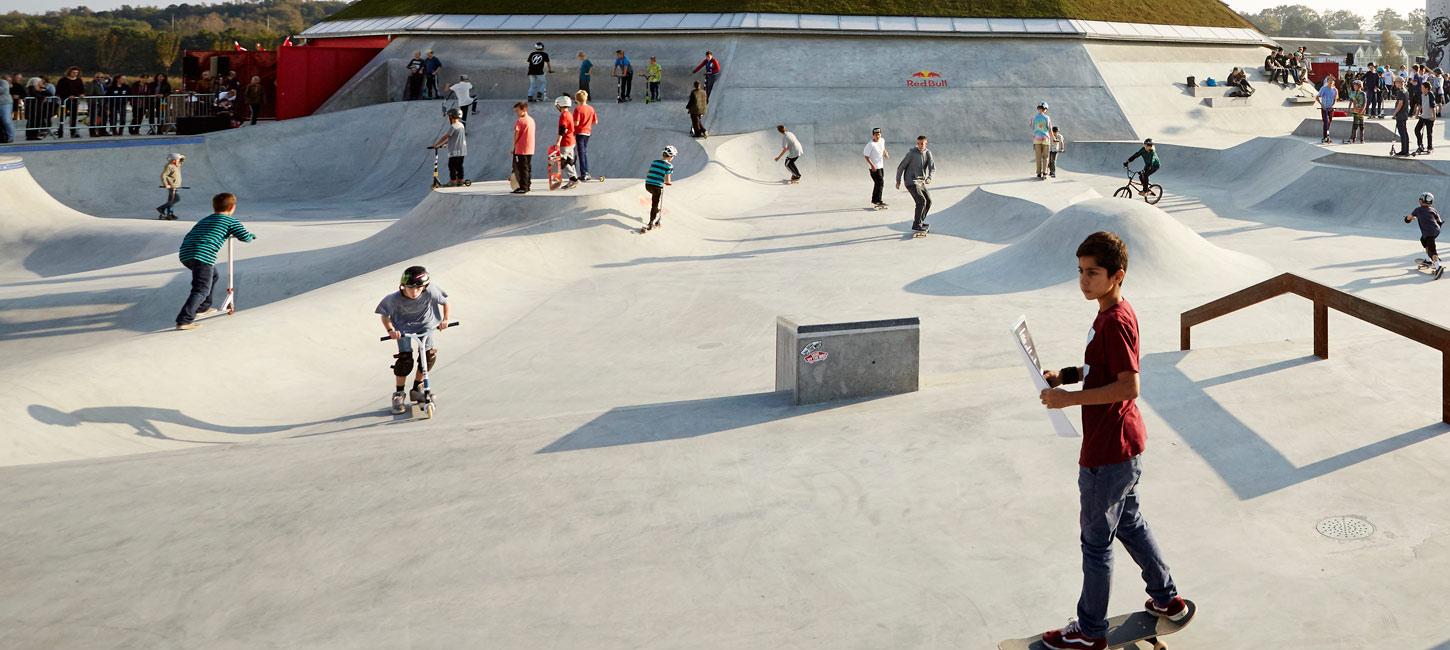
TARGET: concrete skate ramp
(1337,195)
(1149,82)
(370,161)
(1001,212)
(1164,256)
(1245,173)
(41,237)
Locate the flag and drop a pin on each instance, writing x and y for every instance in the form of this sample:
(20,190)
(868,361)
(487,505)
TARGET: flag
(238,46)
(287,42)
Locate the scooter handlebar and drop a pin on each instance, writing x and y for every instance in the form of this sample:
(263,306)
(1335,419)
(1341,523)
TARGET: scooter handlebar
(389,338)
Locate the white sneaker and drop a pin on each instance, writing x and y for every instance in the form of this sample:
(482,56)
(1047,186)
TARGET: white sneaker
(400,403)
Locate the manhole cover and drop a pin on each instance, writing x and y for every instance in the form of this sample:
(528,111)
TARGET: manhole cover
(1345,527)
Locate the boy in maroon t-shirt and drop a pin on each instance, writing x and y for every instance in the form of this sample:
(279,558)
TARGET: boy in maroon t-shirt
(1113,438)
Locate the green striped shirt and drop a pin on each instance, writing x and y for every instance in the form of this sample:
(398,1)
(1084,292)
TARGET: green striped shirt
(658,170)
(206,237)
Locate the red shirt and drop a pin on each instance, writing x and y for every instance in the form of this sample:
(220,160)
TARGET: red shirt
(566,129)
(1111,433)
(524,136)
(584,119)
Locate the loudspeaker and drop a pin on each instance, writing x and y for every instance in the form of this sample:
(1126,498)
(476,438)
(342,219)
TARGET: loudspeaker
(1192,81)
(199,125)
(190,67)
(223,66)
(1349,59)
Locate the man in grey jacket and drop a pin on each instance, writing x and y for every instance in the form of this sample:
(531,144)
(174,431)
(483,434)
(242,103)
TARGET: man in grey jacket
(917,167)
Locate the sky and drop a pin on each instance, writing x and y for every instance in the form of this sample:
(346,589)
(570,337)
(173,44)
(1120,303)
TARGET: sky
(1248,6)
(1364,8)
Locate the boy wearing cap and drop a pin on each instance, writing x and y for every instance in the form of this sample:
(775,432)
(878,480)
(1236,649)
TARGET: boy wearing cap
(876,155)
(1041,135)
(538,63)
(1358,103)
(1150,163)
(1057,146)
(171,182)
(457,143)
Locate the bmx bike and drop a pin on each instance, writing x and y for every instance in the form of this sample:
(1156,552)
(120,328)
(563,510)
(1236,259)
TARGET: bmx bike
(1150,194)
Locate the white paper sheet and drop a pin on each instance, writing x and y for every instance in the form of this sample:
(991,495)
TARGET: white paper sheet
(1023,337)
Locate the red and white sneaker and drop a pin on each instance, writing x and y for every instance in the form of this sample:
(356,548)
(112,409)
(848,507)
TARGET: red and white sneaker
(1072,638)
(1174,611)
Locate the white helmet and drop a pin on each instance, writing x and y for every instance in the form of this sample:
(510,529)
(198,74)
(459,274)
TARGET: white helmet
(670,151)
(1428,198)
(563,101)
(1042,104)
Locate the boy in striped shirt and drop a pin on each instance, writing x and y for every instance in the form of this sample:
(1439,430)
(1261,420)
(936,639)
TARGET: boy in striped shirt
(198,253)
(655,182)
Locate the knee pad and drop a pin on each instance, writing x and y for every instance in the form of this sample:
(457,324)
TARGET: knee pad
(404,365)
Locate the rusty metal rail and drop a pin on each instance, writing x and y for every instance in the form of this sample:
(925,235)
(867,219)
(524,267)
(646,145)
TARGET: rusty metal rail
(1324,299)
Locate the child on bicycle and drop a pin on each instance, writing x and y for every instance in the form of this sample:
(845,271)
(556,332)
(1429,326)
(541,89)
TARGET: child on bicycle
(1150,163)
(1430,223)
(414,309)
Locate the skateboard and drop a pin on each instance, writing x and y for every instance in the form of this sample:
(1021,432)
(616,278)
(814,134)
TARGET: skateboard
(918,234)
(556,174)
(513,180)
(1123,631)
(1425,267)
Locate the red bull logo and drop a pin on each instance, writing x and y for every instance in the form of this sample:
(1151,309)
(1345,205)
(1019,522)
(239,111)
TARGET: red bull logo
(926,79)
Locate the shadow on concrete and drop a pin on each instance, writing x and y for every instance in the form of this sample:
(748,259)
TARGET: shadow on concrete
(760,252)
(1247,462)
(631,425)
(145,421)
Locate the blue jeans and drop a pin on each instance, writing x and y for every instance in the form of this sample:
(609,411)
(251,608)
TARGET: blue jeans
(538,86)
(203,282)
(7,127)
(583,141)
(1109,500)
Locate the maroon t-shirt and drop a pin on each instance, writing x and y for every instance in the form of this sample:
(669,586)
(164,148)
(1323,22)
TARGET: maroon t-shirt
(1111,433)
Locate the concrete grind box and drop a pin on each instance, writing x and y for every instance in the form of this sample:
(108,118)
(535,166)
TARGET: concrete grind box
(820,363)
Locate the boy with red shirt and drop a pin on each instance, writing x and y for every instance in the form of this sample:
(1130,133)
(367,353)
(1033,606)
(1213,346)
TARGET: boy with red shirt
(584,120)
(1109,464)
(523,147)
(565,141)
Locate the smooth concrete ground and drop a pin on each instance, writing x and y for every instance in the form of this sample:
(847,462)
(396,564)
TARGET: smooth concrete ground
(609,467)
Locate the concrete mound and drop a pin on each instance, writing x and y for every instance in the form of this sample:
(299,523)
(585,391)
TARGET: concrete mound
(1165,256)
(41,237)
(1001,212)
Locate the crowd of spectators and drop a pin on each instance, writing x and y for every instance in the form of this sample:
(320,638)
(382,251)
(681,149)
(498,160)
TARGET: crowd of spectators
(106,105)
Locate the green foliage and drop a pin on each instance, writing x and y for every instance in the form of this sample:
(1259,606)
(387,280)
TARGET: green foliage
(1390,52)
(1178,12)
(136,40)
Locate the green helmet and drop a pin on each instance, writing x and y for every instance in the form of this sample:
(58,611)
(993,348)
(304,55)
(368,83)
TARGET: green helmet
(415,276)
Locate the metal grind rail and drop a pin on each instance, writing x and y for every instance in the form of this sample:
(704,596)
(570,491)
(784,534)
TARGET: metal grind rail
(1324,299)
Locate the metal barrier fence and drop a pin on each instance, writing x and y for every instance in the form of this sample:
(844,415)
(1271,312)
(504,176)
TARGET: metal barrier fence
(37,118)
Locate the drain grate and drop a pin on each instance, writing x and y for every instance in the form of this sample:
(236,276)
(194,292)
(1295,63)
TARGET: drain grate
(1345,527)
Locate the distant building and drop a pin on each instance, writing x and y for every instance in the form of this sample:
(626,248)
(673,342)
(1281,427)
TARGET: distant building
(1364,50)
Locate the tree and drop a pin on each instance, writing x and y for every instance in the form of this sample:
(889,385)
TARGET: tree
(168,47)
(1416,25)
(1342,19)
(1266,23)
(110,49)
(1294,20)
(1390,52)
(1390,19)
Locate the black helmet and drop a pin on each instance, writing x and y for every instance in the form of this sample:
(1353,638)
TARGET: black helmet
(415,276)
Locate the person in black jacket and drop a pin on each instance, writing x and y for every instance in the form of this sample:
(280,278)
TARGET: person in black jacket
(116,104)
(70,89)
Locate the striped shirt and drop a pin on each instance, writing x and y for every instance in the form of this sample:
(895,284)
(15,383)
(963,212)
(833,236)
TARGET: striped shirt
(206,237)
(657,172)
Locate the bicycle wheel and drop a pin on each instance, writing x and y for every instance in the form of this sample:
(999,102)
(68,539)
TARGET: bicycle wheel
(1125,192)
(1155,192)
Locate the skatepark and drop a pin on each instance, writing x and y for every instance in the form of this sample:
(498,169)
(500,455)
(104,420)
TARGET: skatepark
(611,465)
